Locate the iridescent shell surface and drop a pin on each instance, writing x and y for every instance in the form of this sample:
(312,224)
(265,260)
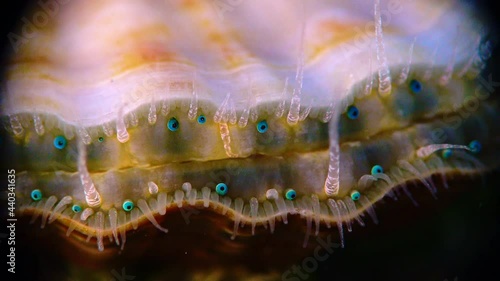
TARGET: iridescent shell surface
(238,129)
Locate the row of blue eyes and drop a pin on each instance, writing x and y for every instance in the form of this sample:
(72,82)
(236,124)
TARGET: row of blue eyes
(352,112)
(262,127)
(220,188)
(173,124)
(60,142)
(290,194)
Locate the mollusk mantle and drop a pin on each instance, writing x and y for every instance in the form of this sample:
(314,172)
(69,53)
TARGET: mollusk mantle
(239,112)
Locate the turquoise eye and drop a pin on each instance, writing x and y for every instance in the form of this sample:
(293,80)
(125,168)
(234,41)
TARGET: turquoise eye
(100,139)
(128,205)
(173,124)
(475,146)
(415,86)
(60,142)
(221,189)
(352,112)
(202,119)
(355,195)
(262,126)
(446,153)
(36,195)
(290,194)
(377,169)
(76,208)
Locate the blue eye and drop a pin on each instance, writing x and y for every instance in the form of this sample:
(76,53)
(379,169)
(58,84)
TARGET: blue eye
(221,189)
(377,169)
(76,208)
(352,112)
(60,142)
(262,126)
(355,195)
(100,139)
(475,146)
(415,86)
(202,119)
(446,153)
(128,205)
(173,124)
(36,195)
(290,194)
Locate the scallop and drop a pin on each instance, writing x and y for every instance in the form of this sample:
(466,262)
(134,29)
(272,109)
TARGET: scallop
(117,115)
